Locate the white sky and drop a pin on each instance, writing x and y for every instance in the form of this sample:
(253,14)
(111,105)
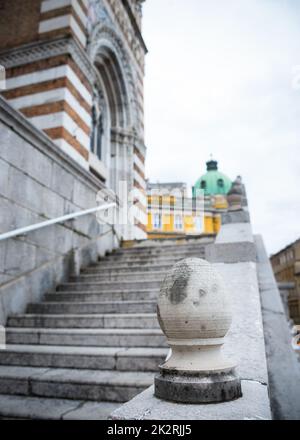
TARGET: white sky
(222,78)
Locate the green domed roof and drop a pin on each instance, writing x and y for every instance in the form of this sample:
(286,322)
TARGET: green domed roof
(213,182)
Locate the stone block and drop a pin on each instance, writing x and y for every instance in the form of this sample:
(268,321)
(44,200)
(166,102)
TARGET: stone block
(13,147)
(89,255)
(20,257)
(43,256)
(235,217)
(15,216)
(14,297)
(4,173)
(235,233)
(254,405)
(283,365)
(92,411)
(2,254)
(7,217)
(63,239)
(25,191)
(52,205)
(37,408)
(44,238)
(62,182)
(41,281)
(245,340)
(87,225)
(231,252)
(36,165)
(63,268)
(25,157)
(83,195)
(4,278)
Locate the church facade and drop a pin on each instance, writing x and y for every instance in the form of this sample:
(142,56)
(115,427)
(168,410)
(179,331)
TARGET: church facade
(74,69)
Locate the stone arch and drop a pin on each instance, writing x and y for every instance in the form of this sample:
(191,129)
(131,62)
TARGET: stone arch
(107,52)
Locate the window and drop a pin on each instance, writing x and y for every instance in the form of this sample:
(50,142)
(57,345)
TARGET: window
(199,224)
(157,221)
(203,184)
(97,132)
(178,222)
(221,183)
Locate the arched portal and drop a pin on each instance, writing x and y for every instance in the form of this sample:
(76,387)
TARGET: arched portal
(114,131)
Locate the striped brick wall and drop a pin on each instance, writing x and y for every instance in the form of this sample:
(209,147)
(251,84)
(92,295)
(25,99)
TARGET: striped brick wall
(54,94)
(64,17)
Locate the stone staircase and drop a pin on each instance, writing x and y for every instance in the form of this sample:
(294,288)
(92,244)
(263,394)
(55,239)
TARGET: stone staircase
(95,342)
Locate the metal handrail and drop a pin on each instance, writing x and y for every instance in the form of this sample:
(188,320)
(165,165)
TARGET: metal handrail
(22,231)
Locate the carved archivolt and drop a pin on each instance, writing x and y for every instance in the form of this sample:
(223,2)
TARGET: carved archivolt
(106,48)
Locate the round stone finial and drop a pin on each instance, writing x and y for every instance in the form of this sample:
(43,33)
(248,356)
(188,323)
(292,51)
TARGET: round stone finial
(235,195)
(194,313)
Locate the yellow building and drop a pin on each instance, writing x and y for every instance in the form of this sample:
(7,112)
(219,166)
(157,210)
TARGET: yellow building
(172,213)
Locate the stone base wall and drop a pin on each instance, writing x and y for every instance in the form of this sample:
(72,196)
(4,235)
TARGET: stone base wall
(233,255)
(38,182)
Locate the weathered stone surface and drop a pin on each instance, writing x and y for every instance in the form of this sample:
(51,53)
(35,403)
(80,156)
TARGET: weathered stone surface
(197,388)
(244,344)
(87,337)
(231,252)
(62,182)
(4,172)
(23,155)
(53,204)
(77,348)
(92,411)
(254,405)
(245,340)
(235,233)
(283,366)
(19,256)
(18,407)
(235,217)
(38,408)
(37,182)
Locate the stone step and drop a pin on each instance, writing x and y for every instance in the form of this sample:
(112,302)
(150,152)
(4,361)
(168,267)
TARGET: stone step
(93,358)
(164,248)
(103,276)
(114,295)
(79,308)
(66,383)
(87,337)
(41,408)
(163,254)
(121,269)
(112,263)
(154,258)
(110,285)
(127,264)
(128,320)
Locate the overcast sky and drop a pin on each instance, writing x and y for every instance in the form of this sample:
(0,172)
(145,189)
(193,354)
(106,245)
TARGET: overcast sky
(223,78)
